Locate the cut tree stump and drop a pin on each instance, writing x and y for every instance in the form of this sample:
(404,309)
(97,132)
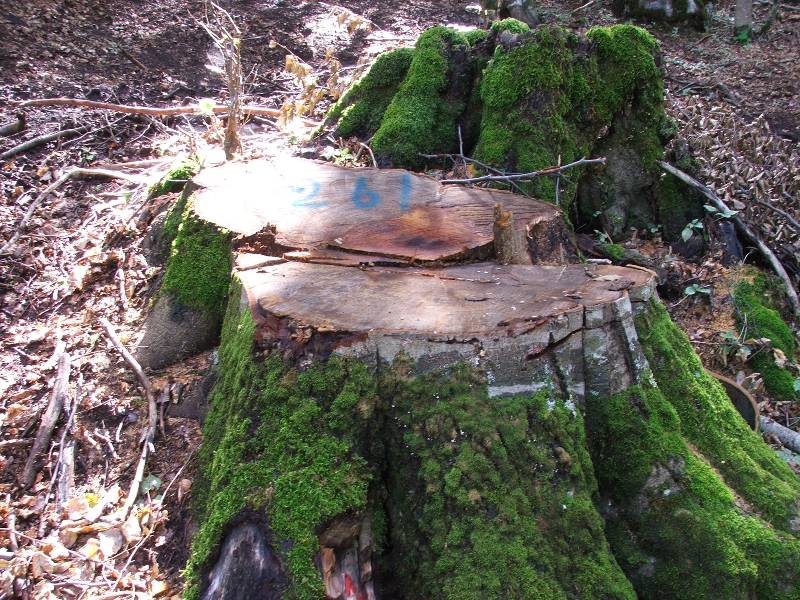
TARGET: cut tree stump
(397,415)
(399,215)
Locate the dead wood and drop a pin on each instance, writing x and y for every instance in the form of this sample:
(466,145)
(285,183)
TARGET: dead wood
(75,172)
(776,264)
(786,436)
(509,242)
(49,418)
(528,176)
(167,111)
(42,139)
(16,443)
(14,126)
(152,411)
(794,222)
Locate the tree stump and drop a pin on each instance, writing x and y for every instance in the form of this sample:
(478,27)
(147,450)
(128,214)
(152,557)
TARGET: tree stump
(398,416)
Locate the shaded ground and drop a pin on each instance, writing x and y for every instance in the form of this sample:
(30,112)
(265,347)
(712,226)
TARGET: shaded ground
(65,271)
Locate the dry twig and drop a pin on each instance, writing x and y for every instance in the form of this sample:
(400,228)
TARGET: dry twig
(49,416)
(152,412)
(75,172)
(167,111)
(776,264)
(42,139)
(528,176)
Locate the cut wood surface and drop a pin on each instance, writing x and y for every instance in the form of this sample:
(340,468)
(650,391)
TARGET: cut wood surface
(477,299)
(390,213)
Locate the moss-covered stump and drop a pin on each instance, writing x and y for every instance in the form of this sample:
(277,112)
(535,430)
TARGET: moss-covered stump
(186,312)
(696,12)
(523,100)
(479,431)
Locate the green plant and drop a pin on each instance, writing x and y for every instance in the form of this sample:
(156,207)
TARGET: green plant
(696,288)
(691,227)
(720,214)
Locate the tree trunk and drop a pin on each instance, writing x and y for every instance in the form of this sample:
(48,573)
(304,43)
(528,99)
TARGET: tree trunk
(389,423)
(396,415)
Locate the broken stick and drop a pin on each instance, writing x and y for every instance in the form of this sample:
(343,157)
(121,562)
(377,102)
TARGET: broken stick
(776,264)
(167,111)
(76,172)
(49,417)
(152,413)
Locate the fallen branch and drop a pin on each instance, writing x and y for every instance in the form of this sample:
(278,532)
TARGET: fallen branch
(794,222)
(528,176)
(14,126)
(49,418)
(786,436)
(477,163)
(154,111)
(152,412)
(42,139)
(76,172)
(776,264)
(5,444)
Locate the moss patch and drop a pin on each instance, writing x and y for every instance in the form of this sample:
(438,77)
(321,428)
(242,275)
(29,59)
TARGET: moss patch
(361,109)
(421,117)
(548,98)
(199,267)
(757,318)
(710,422)
(283,442)
(492,498)
(673,524)
(176,177)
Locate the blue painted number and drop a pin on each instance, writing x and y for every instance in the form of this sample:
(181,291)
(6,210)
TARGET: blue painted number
(405,192)
(306,195)
(363,197)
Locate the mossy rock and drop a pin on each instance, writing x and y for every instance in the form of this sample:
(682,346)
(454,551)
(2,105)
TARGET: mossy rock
(186,315)
(523,100)
(757,317)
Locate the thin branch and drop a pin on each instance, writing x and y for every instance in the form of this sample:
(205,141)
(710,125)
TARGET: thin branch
(477,163)
(776,264)
(42,139)
(152,411)
(75,172)
(49,417)
(371,154)
(527,176)
(170,111)
(794,222)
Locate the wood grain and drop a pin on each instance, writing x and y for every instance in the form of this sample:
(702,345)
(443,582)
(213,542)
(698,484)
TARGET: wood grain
(387,212)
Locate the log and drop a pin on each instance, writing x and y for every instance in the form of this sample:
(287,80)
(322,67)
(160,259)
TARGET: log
(392,213)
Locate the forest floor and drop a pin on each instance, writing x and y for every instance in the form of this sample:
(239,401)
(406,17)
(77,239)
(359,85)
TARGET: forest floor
(80,257)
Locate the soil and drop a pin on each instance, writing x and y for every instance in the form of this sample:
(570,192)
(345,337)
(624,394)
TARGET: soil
(65,272)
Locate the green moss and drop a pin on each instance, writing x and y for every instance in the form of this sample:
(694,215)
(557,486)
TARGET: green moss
(282,442)
(758,319)
(510,25)
(545,99)
(177,176)
(361,109)
(421,117)
(492,497)
(475,36)
(710,422)
(673,524)
(199,267)
(613,251)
